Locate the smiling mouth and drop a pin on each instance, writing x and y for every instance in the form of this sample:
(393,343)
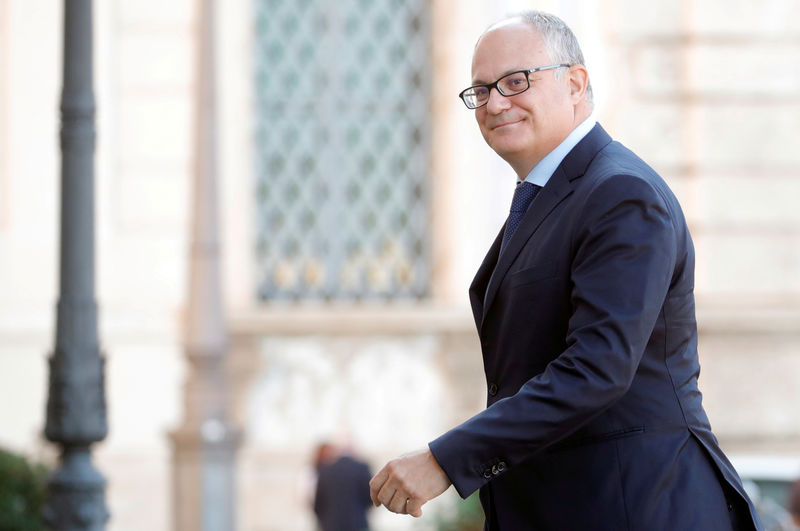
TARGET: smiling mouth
(506,124)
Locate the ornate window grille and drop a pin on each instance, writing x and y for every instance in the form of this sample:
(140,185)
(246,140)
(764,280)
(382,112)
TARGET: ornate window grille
(342,133)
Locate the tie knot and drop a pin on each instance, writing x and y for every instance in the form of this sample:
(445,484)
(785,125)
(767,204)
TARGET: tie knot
(523,195)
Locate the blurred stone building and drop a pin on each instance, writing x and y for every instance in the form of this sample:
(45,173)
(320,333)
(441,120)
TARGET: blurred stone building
(357,199)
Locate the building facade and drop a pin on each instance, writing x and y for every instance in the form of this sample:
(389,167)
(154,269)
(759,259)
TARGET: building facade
(356,200)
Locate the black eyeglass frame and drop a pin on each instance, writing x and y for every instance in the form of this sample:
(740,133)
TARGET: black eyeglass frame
(495,85)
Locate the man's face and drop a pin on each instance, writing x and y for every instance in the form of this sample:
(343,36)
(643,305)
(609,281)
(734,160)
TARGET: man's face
(523,128)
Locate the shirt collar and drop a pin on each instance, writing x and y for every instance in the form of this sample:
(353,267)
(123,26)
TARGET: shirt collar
(541,173)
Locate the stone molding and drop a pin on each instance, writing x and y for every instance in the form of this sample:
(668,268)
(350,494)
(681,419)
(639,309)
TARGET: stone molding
(349,320)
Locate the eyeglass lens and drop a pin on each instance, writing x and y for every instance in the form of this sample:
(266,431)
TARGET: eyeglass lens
(509,85)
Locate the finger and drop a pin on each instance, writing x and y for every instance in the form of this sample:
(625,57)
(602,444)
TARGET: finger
(376,484)
(398,503)
(414,507)
(386,494)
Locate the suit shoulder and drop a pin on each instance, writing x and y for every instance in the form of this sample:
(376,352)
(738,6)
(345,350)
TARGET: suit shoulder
(618,179)
(618,171)
(615,158)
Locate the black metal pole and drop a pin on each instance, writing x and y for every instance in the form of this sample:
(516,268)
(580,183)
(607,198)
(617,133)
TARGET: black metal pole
(76,406)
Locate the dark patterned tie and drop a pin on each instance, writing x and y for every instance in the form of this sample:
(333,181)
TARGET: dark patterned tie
(523,195)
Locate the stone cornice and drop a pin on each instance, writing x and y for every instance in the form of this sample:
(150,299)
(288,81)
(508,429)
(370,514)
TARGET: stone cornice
(358,319)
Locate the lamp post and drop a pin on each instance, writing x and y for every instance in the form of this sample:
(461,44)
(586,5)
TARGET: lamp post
(76,406)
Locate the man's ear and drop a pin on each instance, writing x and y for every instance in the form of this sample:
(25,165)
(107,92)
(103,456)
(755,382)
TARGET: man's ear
(578,81)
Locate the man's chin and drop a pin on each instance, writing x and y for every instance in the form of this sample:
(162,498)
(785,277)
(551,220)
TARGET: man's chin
(508,152)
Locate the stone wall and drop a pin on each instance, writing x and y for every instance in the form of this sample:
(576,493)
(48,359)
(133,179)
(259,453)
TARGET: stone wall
(382,382)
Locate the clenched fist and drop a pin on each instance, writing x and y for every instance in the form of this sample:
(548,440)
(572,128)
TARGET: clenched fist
(406,483)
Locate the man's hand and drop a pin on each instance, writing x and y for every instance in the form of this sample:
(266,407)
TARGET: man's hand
(405,484)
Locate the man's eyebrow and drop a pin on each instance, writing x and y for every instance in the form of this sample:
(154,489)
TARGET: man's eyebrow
(511,71)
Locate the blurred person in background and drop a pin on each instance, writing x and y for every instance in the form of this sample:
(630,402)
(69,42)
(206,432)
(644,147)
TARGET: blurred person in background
(341,496)
(585,310)
(794,503)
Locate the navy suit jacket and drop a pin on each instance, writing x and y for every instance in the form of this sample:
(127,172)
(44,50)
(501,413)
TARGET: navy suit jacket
(589,340)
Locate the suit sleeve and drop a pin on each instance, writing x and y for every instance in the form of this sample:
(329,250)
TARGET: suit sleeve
(624,248)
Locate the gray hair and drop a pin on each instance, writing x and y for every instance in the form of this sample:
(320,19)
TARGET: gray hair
(561,44)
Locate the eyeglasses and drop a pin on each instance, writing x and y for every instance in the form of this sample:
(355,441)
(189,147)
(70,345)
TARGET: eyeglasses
(508,85)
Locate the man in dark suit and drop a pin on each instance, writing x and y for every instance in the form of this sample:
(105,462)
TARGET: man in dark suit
(585,310)
(341,497)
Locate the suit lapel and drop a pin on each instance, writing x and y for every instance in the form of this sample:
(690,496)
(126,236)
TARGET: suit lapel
(557,189)
(477,290)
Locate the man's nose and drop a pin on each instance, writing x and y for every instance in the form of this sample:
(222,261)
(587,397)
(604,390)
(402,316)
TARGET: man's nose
(497,102)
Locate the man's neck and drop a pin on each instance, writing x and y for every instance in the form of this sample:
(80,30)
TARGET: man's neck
(540,174)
